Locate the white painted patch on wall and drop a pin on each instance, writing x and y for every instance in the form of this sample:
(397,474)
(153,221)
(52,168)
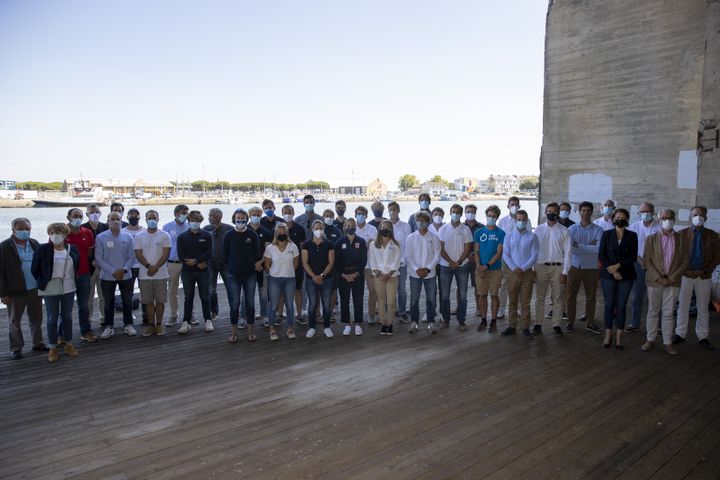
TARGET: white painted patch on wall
(713,220)
(687,169)
(591,187)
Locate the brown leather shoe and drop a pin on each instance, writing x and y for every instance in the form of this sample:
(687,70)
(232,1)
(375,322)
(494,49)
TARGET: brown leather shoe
(647,346)
(70,350)
(671,350)
(61,341)
(53,355)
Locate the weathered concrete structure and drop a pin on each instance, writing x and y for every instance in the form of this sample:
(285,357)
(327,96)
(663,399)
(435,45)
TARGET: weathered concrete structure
(632,104)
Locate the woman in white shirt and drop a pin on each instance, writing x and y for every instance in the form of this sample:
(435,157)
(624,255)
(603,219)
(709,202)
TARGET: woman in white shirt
(281,260)
(384,255)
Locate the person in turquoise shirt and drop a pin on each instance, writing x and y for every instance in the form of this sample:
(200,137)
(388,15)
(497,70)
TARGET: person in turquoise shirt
(488,270)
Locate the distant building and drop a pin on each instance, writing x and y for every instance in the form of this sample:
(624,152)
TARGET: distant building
(125,186)
(433,188)
(466,184)
(352,190)
(377,189)
(505,184)
(482,187)
(7,185)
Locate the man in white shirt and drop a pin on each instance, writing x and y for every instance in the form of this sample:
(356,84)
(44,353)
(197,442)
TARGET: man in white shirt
(401,231)
(368,233)
(422,252)
(152,249)
(605,222)
(552,267)
(648,225)
(456,244)
(507,225)
(174,228)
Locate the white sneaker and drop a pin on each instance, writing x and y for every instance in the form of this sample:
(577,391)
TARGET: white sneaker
(501,313)
(184,328)
(431,327)
(413,327)
(130,331)
(259,316)
(328,333)
(209,326)
(347,330)
(358,330)
(171,321)
(310,333)
(108,332)
(134,317)
(193,321)
(266,323)
(424,318)
(242,324)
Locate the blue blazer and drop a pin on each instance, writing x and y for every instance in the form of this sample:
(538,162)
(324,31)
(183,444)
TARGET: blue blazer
(624,253)
(43,261)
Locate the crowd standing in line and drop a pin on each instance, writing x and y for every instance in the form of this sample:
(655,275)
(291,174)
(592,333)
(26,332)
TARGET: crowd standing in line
(301,265)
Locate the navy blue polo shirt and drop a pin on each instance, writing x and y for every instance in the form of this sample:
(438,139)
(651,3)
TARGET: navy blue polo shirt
(350,256)
(318,255)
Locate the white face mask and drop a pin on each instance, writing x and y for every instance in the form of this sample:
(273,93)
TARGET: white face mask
(94,217)
(514,209)
(57,238)
(698,220)
(668,225)
(318,233)
(288,217)
(437,219)
(328,220)
(470,216)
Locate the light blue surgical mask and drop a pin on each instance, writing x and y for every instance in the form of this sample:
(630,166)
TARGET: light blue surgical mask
(270,213)
(646,216)
(182,218)
(152,224)
(194,225)
(521,224)
(455,217)
(490,221)
(424,204)
(608,210)
(360,218)
(564,214)
(76,222)
(309,207)
(255,220)
(22,234)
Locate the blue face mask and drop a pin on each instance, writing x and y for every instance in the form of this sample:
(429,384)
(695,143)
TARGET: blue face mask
(521,224)
(152,224)
(22,234)
(564,214)
(76,222)
(360,218)
(309,207)
(255,220)
(646,217)
(182,218)
(270,212)
(490,221)
(608,210)
(424,204)
(242,224)
(194,225)
(455,217)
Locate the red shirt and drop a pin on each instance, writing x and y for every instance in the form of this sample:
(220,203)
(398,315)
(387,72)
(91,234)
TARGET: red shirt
(84,241)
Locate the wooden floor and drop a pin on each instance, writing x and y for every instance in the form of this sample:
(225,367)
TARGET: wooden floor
(456,405)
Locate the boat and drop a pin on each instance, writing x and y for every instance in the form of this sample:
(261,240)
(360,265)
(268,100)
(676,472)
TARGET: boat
(82,196)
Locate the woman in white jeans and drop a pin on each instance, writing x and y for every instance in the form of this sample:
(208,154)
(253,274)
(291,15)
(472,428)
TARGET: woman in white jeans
(384,255)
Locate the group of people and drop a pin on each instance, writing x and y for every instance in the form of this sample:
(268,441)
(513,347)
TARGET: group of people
(300,265)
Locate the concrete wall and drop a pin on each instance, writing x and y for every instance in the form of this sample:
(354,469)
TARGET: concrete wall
(627,85)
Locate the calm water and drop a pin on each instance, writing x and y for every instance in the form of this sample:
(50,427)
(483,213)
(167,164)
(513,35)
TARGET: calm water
(41,217)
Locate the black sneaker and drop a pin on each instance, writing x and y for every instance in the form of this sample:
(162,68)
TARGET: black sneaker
(582,319)
(526,333)
(705,343)
(16,355)
(558,331)
(493,326)
(677,339)
(564,317)
(508,331)
(537,330)
(389,330)
(383,330)
(482,326)
(593,328)
(549,314)
(631,328)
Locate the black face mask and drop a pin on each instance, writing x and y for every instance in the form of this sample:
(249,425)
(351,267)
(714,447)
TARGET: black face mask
(551,216)
(385,233)
(133,221)
(282,237)
(340,212)
(620,222)
(350,231)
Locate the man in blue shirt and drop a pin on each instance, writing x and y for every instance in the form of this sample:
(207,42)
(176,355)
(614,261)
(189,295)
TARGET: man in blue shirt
(115,256)
(488,266)
(520,253)
(174,229)
(585,237)
(18,287)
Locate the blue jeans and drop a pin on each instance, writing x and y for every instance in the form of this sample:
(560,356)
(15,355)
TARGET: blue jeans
(245,285)
(616,294)
(416,284)
(212,286)
(189,279)
(262,294)
(325,291)
(402,290)
(462,276)
(281,286)
(82,291)
(638,292)
(59,307)
(356,289)
(126,291)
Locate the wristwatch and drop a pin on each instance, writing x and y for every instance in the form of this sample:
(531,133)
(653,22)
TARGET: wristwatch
(322,275)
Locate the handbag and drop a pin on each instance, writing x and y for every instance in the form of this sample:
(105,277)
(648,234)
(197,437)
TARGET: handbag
(56,286)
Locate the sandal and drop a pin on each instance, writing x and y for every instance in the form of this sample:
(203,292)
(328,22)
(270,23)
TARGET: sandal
(232,338)
(251,337)
(273,335)
(290,334)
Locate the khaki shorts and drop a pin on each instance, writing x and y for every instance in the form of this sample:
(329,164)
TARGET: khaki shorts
(153,291)
(488,281)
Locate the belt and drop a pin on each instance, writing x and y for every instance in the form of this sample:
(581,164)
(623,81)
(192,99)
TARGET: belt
(174,261)
(552,264)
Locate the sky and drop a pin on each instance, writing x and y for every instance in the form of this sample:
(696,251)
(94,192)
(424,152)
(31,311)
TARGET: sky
(286,91)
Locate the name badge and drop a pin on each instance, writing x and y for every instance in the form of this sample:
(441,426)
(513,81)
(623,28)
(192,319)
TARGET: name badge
(201,240)
(344,246)
(247,240)
(357,245)
(110,244)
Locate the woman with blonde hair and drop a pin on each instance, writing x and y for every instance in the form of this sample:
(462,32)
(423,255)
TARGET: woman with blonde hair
(384,255)
(281,260)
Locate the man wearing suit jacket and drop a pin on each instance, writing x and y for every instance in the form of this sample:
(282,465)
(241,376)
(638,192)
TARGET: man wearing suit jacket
(665,259)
